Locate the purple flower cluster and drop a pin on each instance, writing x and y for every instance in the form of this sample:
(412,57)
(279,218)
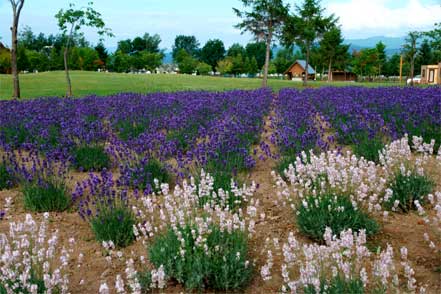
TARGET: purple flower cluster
(96,193)
(356,115)
(186,126)
(295,123)
(356,112)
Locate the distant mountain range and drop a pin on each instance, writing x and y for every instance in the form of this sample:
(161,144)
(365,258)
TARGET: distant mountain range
(393,45)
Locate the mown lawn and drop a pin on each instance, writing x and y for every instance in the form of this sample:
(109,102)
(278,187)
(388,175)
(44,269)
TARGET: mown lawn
(94,83)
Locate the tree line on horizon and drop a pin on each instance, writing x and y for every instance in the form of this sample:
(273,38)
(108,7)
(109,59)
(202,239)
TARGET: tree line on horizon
(304,32)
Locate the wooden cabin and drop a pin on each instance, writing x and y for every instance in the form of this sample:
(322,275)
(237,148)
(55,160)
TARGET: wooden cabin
(431,74)
(343,76)
(297,71)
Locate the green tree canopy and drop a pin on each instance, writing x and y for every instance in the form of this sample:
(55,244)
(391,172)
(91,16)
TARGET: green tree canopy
(188,43)
(212,52)
(305,26)
(263,19)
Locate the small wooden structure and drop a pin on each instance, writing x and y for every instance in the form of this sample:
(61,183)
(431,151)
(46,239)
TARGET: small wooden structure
(431,74)
(343,76)
(297,70)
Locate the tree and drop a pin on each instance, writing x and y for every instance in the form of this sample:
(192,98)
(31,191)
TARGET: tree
(189,43)
(152,43)
(332,48)
(258,51)
(392,66)
(238,64)
(212,52)
(284,58)
(425,53)
(71,21)
(102,52)
(17,6)
(410,51)
(305,27)
(187,64)
(251,65)
(435,41)
(381,56)
(225,66)
(125,46)
(204,68)
(263,20)
(365,61)
(236,49)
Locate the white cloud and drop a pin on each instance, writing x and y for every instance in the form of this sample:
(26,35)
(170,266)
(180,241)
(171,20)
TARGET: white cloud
(375,17)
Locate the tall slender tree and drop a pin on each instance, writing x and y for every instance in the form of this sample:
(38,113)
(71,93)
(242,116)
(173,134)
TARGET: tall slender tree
(332,48)
(70,22)
(381,56)
(435,41)
(410,51)
(17,6)
(264,20)
(305,26)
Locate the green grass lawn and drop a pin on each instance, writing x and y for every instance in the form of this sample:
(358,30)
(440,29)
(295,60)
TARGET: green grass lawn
(89,83)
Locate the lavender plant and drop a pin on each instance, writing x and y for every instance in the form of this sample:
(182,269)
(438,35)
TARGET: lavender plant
(214,259)
(43,183)
(31,260)
(106,209)
(91,158)
(343,265)
(8,177)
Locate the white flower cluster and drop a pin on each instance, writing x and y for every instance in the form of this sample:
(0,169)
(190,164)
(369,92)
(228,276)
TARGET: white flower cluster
(345,257)
(183,207)
(28,254)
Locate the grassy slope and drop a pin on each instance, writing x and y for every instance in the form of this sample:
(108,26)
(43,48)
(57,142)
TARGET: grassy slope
(88,83)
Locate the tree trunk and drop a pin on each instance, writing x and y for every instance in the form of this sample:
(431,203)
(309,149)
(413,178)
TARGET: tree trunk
(305,80)
(14,67)
(66,69)
(17,6)
(267,60)
(330,70)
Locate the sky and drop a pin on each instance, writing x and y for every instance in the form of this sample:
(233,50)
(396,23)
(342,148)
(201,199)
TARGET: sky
(210,19)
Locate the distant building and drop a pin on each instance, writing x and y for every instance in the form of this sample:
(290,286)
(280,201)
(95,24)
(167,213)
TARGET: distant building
(297,70)
(431,74)
(343,76)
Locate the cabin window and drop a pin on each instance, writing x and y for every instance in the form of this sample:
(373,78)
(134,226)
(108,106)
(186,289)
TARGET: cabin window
(424,73)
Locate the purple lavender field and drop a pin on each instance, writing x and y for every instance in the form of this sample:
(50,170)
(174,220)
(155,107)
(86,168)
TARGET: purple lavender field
(177,189)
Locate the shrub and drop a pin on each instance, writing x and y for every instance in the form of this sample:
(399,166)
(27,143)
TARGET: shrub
(180,138)
(114,224)
(283,165)
(14,135)
(106,209)
(338,285)
(91,158)
(31,255)
(369,148)
(334,211)
(143,174)
(46,195)
(408,188)
(6,178)
(131,129)
(221,193)
(222,265)
(145,281)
